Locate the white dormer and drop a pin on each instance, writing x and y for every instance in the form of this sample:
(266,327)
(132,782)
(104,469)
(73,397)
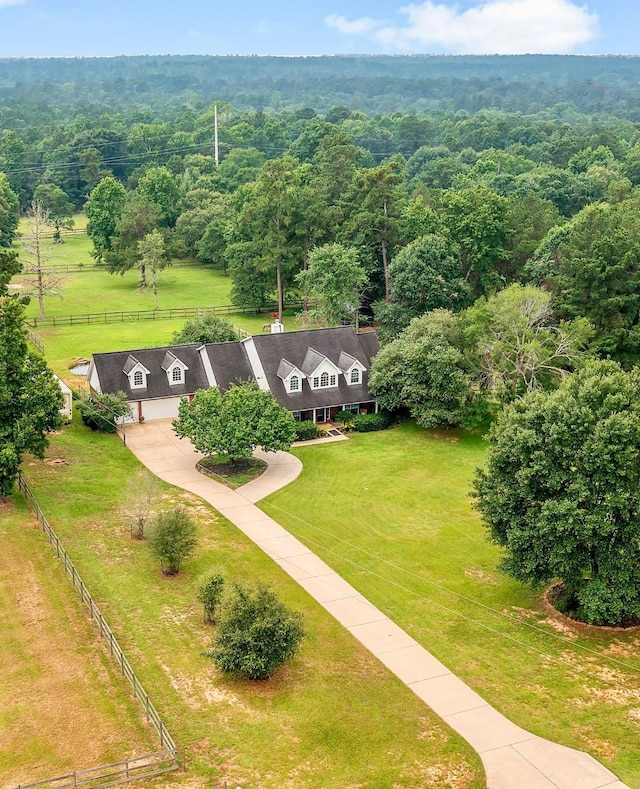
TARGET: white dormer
(136,372)
(351,368)
(321,371)
(290,376)
(174,368)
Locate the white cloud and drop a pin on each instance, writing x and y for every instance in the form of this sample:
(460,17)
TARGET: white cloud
(5,3)
(363,25)
(490,27)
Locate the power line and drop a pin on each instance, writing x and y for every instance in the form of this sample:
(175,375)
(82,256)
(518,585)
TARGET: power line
(443,588)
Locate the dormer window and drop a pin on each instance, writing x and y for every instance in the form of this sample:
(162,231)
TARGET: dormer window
(324,381)
(291,376)
(174,368)
(352,368)
(136,372)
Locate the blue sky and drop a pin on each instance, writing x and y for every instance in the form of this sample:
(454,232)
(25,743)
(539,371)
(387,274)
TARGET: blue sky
(296,27)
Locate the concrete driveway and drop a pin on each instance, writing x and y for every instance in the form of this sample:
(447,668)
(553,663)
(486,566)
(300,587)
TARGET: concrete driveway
(513,758)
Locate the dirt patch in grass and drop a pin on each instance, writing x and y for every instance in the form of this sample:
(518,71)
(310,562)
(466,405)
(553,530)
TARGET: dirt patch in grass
(233,476)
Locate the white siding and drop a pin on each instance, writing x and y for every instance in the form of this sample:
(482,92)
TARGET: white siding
(163,408)
(256,364)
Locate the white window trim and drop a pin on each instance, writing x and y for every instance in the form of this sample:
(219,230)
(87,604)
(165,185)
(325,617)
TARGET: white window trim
(347,374)
(170,372)
(132,377)
(330,370)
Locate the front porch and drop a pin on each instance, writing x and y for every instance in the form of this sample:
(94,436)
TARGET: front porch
(326,414)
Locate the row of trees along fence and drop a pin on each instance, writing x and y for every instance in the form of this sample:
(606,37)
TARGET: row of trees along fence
(125,316)
(134,769)
(166,740)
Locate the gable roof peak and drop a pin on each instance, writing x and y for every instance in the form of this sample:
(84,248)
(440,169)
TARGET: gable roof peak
(130,363)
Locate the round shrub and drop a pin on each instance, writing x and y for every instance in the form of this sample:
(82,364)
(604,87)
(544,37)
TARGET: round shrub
(306,431)
(369,423)
(256,632)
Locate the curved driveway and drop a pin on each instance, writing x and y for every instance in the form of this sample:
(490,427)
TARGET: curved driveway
(513,758)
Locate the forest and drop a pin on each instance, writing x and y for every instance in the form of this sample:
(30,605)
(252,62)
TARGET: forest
(468,218)
(483,214)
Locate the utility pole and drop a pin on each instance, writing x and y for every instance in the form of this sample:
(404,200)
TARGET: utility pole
(215,133)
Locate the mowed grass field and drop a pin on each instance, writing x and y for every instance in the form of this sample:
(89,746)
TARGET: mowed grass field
(97,291)
(63,705)
(391,513)
(332,717)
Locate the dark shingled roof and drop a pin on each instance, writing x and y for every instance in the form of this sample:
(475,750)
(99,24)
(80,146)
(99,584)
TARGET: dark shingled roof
(285,368)
(278,353)
(109,367)
(230,363)
(294,346)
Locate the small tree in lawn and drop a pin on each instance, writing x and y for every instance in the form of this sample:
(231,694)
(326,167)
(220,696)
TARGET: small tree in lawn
(561,491)
(153,258)
(41,280)
(210,595)
(173,539)
(232,424)
(256,633)
(140,497)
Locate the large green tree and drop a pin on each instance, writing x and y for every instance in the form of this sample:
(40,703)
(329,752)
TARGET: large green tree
(476,219)
(425,372)
(8,212)
(233,423)
(375,203)
(594,271)
(138,218)
(424,276)
(30,397)
(55,201)
(103,209)
(561,491)
(335,278)
(267,221)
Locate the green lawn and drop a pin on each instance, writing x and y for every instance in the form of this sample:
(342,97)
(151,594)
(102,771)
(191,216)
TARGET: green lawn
(333,717)
(390,512)
(63,705)
(92,291)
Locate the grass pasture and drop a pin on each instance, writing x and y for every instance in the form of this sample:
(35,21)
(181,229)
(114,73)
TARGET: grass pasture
(97,291)
(390,512)
(332,717)
(62,704)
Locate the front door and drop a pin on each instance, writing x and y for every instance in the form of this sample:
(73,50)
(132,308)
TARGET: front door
(322,414)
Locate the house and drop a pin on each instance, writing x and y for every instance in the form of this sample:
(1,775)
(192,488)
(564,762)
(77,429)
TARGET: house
(313,373)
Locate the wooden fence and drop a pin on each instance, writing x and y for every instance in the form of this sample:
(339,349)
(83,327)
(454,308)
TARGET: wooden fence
(124,316)
(35,340)
(78,268)
(166,740)
(136,768)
